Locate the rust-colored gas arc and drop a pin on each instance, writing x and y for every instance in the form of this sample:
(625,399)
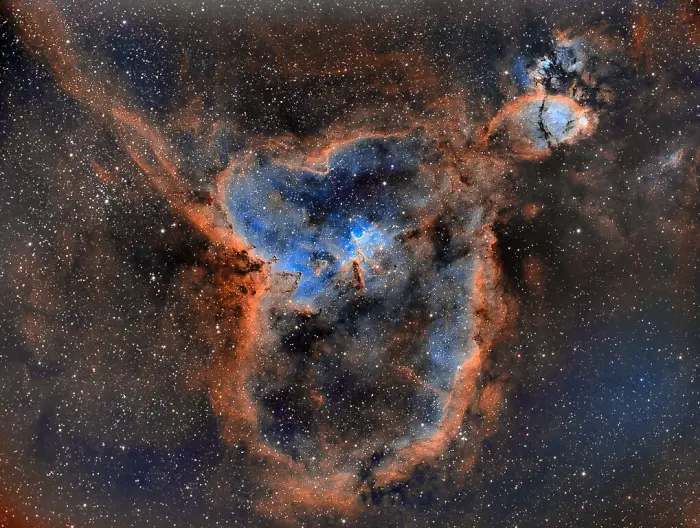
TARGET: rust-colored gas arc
(237,281)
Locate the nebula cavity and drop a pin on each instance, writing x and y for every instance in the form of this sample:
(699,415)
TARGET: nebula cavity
(375,256)
(533,125)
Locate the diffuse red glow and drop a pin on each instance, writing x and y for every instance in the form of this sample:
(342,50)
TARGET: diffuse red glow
(230,281)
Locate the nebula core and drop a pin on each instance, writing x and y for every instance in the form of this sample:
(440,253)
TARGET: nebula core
(350,264)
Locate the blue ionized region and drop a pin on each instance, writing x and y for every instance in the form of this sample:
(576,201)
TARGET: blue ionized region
(313,223)
(550,121)
(561,120)
(521,75)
